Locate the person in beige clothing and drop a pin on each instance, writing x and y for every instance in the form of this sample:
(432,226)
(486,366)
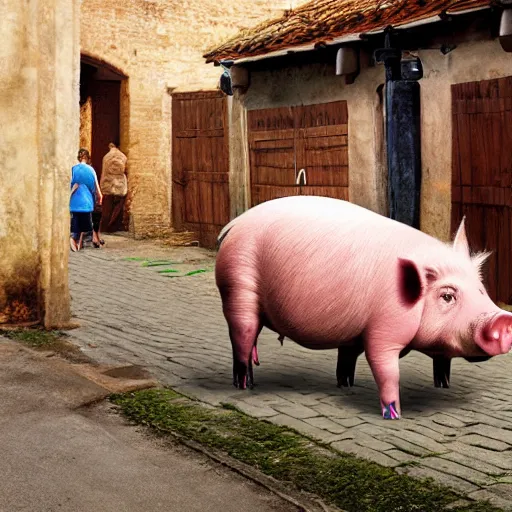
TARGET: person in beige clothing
(114,186)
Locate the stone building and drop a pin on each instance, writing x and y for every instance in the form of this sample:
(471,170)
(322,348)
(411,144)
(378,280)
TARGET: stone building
(83,72)
(135,54)
(39,73)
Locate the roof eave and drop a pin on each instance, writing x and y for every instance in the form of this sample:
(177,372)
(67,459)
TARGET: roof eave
(339,40)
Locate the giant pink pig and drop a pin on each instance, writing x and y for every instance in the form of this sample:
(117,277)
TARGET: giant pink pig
(326,274)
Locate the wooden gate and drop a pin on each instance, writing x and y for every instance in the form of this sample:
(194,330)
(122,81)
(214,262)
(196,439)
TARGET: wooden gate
(200,164)
(283,141)
(481,174)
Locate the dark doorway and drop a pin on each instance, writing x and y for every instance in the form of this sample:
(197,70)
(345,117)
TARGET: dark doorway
(100,98)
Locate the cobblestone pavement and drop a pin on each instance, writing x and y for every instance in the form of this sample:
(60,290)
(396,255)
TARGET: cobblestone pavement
(460,436)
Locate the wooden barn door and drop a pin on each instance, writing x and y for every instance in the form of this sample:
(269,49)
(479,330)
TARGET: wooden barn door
(481,177)
(322,149)
(200,164)
(284,141)
(272,154)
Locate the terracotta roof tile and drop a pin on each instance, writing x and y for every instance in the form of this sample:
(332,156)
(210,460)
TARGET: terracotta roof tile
(325,20)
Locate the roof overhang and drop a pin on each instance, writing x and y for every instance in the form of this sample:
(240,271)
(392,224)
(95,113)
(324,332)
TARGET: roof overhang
(349,38)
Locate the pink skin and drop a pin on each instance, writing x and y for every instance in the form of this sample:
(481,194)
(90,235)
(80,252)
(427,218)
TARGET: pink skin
(324,272)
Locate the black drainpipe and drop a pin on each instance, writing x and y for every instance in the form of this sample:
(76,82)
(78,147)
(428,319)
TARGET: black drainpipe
(403,134)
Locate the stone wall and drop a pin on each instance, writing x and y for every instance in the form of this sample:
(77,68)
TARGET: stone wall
(158,45)
(39,71)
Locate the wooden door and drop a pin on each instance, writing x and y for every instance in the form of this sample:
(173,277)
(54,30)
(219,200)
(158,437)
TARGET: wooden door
(481,174)
(322,148)
(272,154)
(283,141)
(200,164)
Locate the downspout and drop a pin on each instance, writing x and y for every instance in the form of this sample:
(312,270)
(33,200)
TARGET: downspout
(403,135)
(403,140)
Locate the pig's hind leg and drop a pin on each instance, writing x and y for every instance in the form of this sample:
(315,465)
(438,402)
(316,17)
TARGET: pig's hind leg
(242,315)
(347,360)
(243,335)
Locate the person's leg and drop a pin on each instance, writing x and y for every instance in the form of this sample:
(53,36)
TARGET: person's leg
(116,220)
(75,232)
(84,225)
(96,220)
(106,213)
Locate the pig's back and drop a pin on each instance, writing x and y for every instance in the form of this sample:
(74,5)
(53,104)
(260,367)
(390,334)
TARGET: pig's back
(320,266)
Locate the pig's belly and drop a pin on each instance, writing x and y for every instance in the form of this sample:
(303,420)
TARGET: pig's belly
(311,321)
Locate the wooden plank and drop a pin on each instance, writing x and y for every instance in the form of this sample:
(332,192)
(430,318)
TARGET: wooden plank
(208,177)
(327,131)
(270,119)
(502,248)
(193,133)
(322,114)
(505,152)
(271,135)
(326,142)
(334,192)
(194,96)
(464,141)
(456,165)
(491,244)
(262,193)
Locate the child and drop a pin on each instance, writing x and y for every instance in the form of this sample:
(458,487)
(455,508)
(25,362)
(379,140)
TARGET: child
(84,186)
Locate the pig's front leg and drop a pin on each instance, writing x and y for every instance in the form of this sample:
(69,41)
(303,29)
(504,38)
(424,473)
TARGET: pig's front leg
(383,362)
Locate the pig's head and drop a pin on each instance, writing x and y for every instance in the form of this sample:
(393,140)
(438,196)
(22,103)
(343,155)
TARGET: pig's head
(458,318)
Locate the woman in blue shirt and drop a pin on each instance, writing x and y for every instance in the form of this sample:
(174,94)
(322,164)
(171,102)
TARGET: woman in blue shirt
(84,187)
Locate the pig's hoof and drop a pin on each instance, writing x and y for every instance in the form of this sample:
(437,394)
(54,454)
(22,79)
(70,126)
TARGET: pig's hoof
(240,382)
(389,412)
(345,382)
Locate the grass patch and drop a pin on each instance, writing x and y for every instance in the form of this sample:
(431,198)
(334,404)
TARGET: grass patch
(159,263)
(40,339)
(194,272)
(348,482)
(35,338)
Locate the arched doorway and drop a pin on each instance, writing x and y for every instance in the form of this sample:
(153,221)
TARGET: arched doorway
(101,108)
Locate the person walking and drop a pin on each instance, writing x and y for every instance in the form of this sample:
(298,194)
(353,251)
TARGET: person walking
(114,186)
(84,188)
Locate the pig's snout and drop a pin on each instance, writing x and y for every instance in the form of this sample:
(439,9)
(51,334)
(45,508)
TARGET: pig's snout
(496,335)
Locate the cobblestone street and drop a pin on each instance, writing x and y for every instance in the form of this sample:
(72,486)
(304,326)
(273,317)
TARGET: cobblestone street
(133,314)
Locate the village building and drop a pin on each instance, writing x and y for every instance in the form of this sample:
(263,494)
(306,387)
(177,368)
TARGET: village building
(85,73)
(135,56)
(403,107)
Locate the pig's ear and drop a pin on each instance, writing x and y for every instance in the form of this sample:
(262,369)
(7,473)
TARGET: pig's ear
(412,281)
(460,243)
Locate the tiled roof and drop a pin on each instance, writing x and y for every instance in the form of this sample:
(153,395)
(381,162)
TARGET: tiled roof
(327,21)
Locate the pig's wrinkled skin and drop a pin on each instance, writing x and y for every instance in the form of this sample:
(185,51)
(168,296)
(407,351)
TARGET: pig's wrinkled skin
(326,273)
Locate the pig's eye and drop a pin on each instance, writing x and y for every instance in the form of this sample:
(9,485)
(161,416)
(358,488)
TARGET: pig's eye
(448,297)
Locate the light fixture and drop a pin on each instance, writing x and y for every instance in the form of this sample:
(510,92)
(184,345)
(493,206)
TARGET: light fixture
(506,30)
(411,69)
(225,82)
